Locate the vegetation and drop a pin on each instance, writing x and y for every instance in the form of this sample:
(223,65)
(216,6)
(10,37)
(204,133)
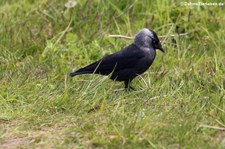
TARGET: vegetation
(179,101)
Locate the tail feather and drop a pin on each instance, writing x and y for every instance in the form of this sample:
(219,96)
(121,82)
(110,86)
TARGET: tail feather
(86,70)
(94,68)
(72,74)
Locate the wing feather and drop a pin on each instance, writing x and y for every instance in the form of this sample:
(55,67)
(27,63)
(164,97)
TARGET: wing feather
(124,59)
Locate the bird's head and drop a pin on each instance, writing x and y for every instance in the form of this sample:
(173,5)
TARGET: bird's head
(148,38)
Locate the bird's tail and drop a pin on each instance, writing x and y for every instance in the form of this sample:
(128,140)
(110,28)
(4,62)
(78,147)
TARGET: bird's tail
(72,74)
(86,70)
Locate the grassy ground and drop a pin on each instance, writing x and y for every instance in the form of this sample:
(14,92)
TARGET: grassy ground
(179,102)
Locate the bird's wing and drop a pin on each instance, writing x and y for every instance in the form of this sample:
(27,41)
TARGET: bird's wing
(124,59)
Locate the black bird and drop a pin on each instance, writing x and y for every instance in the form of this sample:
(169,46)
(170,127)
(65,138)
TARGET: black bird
(128,63)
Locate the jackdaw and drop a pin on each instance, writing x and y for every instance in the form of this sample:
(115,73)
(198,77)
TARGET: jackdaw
(128,63)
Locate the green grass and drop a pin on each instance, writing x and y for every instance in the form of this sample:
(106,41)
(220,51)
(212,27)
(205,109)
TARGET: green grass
(182,92)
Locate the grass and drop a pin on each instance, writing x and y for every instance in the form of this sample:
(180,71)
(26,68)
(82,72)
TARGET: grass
(179,102)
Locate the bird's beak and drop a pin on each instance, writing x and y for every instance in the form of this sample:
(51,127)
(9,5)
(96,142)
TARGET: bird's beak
(161,48)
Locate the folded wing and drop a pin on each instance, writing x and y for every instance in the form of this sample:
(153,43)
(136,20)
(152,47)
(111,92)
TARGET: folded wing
(125,59)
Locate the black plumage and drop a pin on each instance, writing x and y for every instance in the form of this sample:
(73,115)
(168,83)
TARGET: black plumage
(128,63)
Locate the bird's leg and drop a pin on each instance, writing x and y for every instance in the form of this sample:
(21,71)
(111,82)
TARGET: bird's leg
(128,87)
(126,84)
(132,88)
